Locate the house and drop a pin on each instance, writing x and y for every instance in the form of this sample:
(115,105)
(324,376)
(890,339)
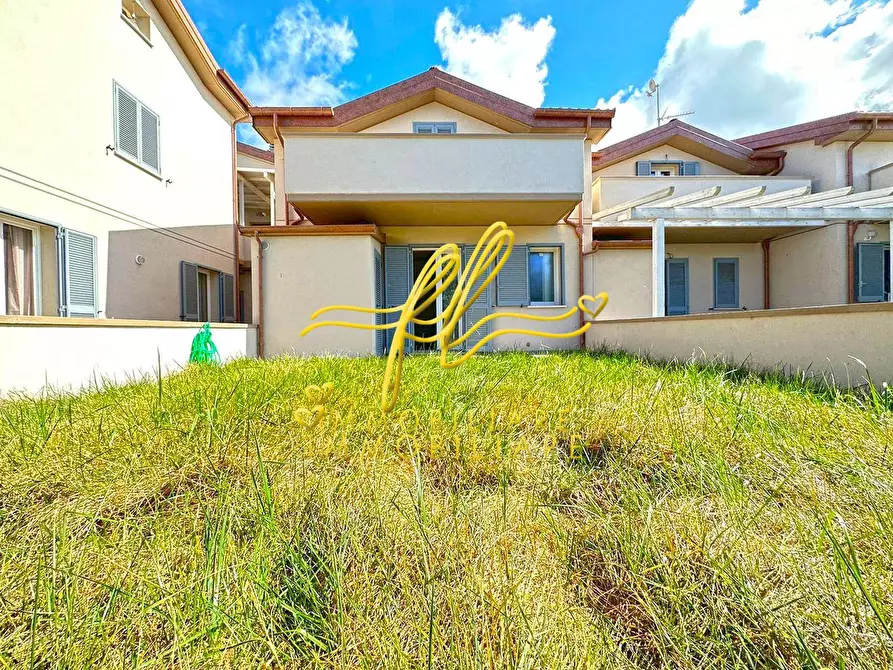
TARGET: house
(379,183)
(117,164)
(753,262)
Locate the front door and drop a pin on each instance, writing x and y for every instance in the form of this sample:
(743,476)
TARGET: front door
(873,272)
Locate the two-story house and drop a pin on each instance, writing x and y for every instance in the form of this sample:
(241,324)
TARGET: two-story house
(755,261)
(379,183)
(117,163)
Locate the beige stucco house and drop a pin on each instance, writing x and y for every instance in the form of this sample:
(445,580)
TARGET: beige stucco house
(751,263)
(117,163)
(375,185)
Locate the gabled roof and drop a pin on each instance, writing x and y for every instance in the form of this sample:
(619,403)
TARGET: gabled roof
(185,32)
(839,128)
(254,152)
(693,140)
(429,86)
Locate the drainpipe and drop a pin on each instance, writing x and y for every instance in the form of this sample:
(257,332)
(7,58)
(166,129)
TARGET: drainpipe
(766,285)
(851,226)
(236,221)
(578,231)
(777,171)
(260,295)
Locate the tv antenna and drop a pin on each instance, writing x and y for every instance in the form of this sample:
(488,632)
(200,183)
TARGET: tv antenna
(654,91)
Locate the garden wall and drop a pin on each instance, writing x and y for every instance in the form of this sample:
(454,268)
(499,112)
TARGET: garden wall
(817,340)
(68,354)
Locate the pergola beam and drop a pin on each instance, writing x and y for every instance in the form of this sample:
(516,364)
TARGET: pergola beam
(875,213)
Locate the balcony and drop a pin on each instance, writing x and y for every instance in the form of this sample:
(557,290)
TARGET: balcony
(403,179)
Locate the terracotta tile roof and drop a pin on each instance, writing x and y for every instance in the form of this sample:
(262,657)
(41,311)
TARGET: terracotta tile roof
(428,81)
(820,130)
(255,152)
(694,140)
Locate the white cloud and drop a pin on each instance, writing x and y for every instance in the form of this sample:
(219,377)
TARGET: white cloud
(296,62)
(509,60)
(781,62)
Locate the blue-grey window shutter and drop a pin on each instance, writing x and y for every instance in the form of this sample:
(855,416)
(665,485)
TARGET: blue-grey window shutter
(691,168)
(379,303)
(188,291)
(479,308)
(511,282)
(725,283)
(226,287)
(870,266)
(643,168)
(79,263)
(397,283)
(677,286)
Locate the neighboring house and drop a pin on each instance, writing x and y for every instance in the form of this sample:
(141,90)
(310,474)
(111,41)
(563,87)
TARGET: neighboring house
(749,263)
(380,182)
(117,157)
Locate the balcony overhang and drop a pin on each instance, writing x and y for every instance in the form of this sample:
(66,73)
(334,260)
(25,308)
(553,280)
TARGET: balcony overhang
(432,212)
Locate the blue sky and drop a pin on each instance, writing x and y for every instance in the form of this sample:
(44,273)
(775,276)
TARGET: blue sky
(742,66)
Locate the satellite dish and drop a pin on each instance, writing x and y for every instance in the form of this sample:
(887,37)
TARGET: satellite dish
(652,86)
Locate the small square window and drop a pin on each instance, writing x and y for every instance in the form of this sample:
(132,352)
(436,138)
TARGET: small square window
(544,275)
(133,12)
(434,127)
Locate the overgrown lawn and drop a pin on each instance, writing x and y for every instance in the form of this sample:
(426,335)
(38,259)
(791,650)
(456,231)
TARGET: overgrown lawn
(556,511)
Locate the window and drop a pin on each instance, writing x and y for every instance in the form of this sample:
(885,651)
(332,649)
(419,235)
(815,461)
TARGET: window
(137,18)
(543,270)
(872,272)
(136,131)
(532,275)
(21,259)
(668,168)
(434,127)
(725,283)
(206,294)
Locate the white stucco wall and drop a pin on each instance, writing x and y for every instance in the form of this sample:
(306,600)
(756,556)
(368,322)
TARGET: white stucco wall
(70,354)
(58,62)
(627,168)
(433,111)
(809,268)
(350,166)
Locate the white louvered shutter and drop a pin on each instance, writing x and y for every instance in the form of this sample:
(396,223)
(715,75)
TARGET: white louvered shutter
(79,273)
(127,121)
(149,150)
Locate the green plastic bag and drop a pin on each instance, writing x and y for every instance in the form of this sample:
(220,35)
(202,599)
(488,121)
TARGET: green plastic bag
(203,349)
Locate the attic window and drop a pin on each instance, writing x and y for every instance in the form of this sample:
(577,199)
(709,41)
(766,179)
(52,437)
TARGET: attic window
(434,127)
(665,169)
(137,17)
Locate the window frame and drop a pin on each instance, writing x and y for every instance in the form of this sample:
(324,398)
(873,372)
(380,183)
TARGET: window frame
(146,36)
(138,162)
(737,265)
(558,276)
(434,125)
(36,268)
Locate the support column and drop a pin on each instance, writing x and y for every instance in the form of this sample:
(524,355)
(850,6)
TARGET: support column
(890,287)
(586,204)
(242,221)
(658,271)
(280,205)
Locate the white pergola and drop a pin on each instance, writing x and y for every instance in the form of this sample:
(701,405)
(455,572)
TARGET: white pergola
(795,208)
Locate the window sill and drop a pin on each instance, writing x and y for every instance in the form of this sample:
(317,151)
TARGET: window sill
(546,306)
(136,29)
(128,159)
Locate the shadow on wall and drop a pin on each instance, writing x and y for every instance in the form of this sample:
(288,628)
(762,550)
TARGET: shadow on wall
(144,270)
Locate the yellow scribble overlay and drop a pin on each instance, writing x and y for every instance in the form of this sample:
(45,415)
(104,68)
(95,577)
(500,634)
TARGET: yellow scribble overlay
(441,270)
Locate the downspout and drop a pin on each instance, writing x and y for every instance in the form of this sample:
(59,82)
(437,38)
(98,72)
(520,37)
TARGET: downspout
(766,285)
(851,226)
(236,237)
(777,171)
(260,295)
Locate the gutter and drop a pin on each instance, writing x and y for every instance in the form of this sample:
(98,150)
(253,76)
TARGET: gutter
(851,226)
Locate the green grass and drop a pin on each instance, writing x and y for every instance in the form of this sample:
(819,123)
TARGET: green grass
(560,511)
